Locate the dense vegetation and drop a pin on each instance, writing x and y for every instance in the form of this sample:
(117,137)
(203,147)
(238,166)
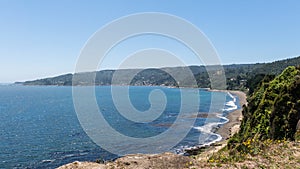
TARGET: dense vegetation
(270,126)
(238,76)
(272,113)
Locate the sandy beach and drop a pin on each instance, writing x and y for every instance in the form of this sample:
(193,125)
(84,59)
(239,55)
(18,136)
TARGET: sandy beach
(226,130)
(235,117)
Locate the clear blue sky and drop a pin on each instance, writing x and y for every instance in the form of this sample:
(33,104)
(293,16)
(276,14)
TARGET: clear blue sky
(43,38)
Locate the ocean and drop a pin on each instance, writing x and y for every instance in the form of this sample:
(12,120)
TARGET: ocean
(39,126)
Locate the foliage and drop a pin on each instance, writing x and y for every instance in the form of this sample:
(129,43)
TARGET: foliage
(272,113)
(238,76)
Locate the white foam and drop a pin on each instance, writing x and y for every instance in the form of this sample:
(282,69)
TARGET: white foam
(208,128)
(233,97)
(47,161)
(231,105)
(82,154)
(68,156)
(230,108)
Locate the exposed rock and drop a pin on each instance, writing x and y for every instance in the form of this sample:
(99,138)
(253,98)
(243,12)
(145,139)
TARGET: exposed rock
(138,161)
(157,161)
(83,165)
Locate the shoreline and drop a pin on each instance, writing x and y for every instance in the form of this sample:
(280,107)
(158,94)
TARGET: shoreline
(172,160)
(225,130)
(228,129)
(235,118)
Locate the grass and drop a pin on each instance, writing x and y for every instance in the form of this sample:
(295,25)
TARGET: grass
(256,154)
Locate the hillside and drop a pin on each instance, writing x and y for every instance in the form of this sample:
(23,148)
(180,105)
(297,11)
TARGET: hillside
(273,110)
(269,134)
(238,76)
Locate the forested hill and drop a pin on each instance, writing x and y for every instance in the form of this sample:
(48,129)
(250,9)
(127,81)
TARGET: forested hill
(273,113)
(238,76)
(269,135)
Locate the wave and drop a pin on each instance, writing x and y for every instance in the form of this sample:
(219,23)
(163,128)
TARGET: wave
(231,105)
(48,161)
(230,108)
(233,97)
(209,128)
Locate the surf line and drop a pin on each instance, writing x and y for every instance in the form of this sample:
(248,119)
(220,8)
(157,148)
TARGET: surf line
(208,128)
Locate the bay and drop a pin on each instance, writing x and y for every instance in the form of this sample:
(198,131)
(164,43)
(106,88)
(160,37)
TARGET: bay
(39,127)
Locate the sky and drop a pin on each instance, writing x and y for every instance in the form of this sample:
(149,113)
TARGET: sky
(44,38)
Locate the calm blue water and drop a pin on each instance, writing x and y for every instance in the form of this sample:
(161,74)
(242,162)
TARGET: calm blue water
(39,127)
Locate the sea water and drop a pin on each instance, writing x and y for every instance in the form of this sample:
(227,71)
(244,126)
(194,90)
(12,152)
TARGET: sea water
(39,126)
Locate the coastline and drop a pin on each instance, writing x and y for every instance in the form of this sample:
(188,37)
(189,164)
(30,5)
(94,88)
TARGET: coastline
(171,160)
(225,130)
(235,118)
